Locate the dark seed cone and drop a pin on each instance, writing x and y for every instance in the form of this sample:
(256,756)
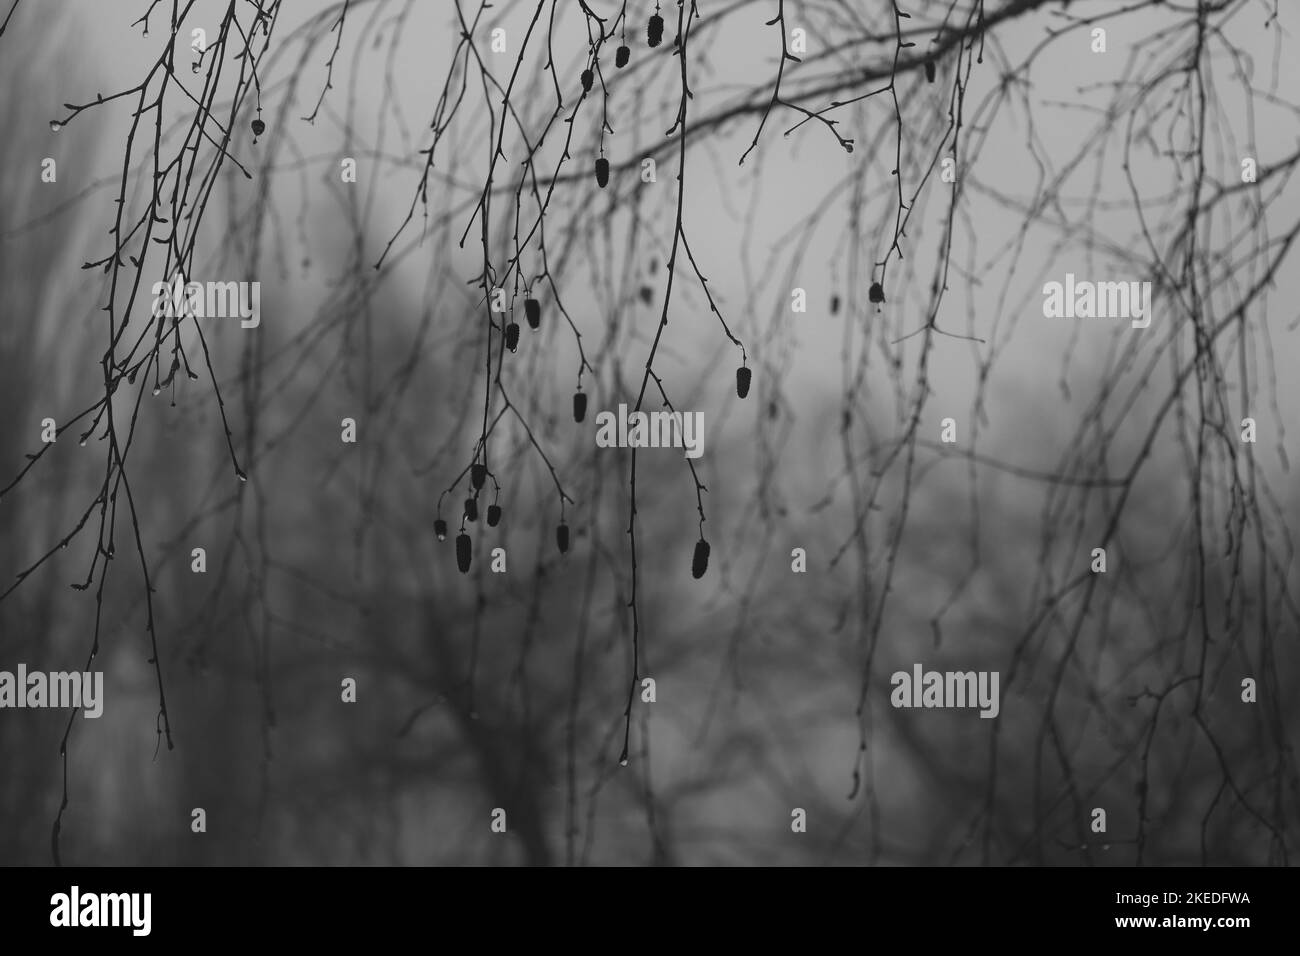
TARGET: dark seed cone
(494,515)
(929,71)
(512,336)
(462,552)
(587,79)
(579,406)
(258,127)
(533,312)
(621,56)
(471,509)
(700,563)
(562,537)
(440,529)
(742,381)
(876,293)
(835,305)
(602,172)
(654,33)
(478,475)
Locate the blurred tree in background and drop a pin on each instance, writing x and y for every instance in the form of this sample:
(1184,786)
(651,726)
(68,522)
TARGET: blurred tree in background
(856,204)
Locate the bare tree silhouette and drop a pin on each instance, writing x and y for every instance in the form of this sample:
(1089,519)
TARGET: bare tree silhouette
(692,207)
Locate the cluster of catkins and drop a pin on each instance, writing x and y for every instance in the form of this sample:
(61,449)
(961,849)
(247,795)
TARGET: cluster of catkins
(654,36)
(533,315)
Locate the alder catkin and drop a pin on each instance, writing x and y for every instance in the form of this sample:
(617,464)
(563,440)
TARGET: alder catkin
(621,56)
(655,30)
(602,172)
(700,563)
(562,537)
(587,79)
(493,515)
(742,381)
(533,312)
(440,529)
(876,293)
(512,336)
(462,552)
(471,509)
(477,474)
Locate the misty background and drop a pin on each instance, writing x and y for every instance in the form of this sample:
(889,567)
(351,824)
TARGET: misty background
(1119,691)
